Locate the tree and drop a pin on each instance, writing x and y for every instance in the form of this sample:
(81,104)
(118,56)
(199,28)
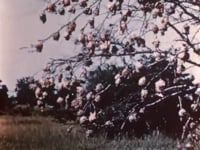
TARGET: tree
(137,35)
(25,91)
(3,96)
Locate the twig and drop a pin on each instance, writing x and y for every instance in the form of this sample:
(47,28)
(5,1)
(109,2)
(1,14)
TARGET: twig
(171,95)
(107,87)
(175,87)
(62,27)
(185,127)
(156,76)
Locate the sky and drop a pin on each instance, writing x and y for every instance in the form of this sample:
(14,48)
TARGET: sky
(20,26)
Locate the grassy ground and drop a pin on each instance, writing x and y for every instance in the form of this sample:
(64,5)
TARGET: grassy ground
(41,133)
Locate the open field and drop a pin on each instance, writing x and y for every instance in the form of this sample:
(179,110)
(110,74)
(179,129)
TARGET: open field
(42,133)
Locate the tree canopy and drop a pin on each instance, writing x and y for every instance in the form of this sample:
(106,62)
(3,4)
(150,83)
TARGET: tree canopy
(130,73)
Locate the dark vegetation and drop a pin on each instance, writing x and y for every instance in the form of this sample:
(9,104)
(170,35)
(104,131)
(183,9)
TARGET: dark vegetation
(3,96)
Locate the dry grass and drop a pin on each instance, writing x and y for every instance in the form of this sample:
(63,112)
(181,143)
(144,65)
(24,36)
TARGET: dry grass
(41,133)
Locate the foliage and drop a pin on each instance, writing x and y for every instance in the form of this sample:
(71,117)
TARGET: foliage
(25,94)
(3,96)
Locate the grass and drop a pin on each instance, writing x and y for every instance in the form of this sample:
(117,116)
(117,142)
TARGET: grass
(41,133)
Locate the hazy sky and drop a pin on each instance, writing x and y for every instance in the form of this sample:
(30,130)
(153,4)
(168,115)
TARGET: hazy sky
(20,26)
